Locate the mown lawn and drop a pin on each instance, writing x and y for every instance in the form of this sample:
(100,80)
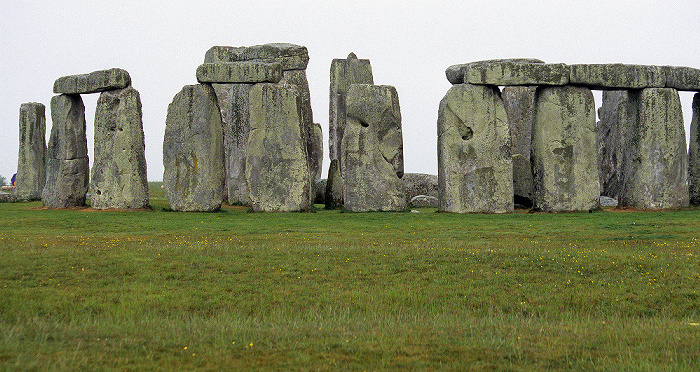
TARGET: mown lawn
(611,290)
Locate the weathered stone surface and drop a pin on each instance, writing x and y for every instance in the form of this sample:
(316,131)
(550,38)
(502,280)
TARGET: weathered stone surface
(7,197)
(475,168)
(31,160)
(344,72)
(193,155)
(290,56)
(424,201)
(564,157)
(334,186)
(517,73)
(682,78)
(659,170)
(694,153)
(119,168)
(455,73)
(617,76)
(315,152)
(370,182)
(519,103)
(320,188)
(239,72)
(377,107)
(94,82)
(67,167)
(614,135)
(236,131)
(606,201)
(277,170)
(419,184)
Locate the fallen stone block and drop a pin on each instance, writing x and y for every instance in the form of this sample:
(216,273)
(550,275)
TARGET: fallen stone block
(290,56)
(239,72)
(682,78)
(617,76)
(94,82)
(455,73)
(517,73)
(31,160)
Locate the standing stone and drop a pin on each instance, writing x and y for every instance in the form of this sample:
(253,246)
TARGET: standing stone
(659,161)
(119,168)
(694,153)
(31,164)
(377,107)
(344,72)
(618,120)
(565,165)
(236,131)
(519,102)
(193,154)
(475,167)
(334,186)
(67,167)
(276,169)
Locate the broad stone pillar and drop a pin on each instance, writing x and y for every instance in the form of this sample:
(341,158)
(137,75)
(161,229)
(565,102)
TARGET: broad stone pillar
(475,167)
(519,103)
(659,161)
(564,157)
(31,164)
(119,167)
(193,154)
(694,153)
(618,120)
(276,169)
(344,72)
(67,167)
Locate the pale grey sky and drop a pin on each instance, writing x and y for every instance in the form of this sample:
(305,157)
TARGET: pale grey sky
(409,43)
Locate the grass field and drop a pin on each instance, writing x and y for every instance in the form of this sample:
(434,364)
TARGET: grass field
(611,290)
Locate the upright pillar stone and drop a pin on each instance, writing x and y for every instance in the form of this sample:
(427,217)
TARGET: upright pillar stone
(67,167)
(236,131)
(276,169)
(119,168)
(618,120)
(193,154)
(344,72)
(563,150)
(519,102)
(475,167)
(31,164)
(334,186)
(694,153)
(659,162)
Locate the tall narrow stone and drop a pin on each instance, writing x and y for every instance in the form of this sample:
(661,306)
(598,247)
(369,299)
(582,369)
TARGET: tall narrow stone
(475,168)
(659,161)
(334,186)
(31,164)
(344,72)
(276,168)
(119,168)
(519,102)
(618,120)
(236,131)
(564,157)
(193,154)
(67,167)
(694,153)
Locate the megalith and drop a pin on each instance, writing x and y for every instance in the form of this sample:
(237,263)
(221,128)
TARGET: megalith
(276,168)
(67,166)
(236,131)
(193,154)
(31,163)
(694,153)
(519,102)
(334,186)
(344,72)
(564,158)
(659,162)
(119,168)
(475,167)
(614,134)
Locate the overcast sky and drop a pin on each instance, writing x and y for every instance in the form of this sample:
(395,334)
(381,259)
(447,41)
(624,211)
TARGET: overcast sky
(409,44)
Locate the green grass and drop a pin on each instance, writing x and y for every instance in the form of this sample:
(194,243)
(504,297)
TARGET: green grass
(81,289)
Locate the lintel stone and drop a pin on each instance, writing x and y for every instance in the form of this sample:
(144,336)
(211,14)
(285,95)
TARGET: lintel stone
(617,76)
(94,82)
(291,56)
(517,73)
(455,73)
(682,78)
(239,72)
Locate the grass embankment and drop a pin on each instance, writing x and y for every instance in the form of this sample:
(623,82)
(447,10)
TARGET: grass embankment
(331,290)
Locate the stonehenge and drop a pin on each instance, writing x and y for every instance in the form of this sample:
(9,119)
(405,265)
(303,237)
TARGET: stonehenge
(31,161)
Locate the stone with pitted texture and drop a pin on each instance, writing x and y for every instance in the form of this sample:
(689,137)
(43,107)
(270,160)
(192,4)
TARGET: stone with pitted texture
(290,56)
(193,155)
(475,168)
(517,73)
(239,72)
(617,76)
(119,168)
(455,73)
(94,82)
(31,163)
(564,160)
(682,78)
